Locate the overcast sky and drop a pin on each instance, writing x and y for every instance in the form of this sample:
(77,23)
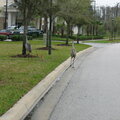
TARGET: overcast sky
(107,2)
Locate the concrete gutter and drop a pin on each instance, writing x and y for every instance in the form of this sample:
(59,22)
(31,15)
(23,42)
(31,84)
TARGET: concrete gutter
(24,106)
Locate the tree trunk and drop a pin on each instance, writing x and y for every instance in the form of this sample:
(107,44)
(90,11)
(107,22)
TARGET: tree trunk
(96,30)
(47,33)
(87,30)
(62,30)
(40,23)
(25,33)
(50,28)
(90,29)
(93,31)
(71,32)
(45,24)
(45,29)
(25,39)
(68,33)
(78,34)
(54,28)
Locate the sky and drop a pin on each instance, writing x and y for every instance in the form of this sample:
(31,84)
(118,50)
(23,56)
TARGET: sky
(2,2)
(107,2)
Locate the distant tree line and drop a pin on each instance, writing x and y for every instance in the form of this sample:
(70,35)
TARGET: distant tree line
(109,18)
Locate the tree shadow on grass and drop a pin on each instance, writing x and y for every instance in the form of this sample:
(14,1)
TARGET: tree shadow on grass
(24,56)
(63,45)
(45,48)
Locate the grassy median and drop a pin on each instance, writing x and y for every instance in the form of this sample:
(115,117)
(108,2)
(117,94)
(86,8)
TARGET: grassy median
(19,75)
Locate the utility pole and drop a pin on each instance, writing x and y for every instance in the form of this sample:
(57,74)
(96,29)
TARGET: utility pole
(6,14)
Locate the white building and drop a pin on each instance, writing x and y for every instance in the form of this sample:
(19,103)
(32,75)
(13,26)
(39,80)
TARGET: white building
(14,16)
(2,13)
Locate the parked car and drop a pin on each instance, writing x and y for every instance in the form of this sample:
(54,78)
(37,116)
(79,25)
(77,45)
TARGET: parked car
(12,27)
(18,32)
(29,27)
(32,31)
(6,32)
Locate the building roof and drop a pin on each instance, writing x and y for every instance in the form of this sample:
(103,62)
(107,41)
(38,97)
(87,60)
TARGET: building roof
(3,2)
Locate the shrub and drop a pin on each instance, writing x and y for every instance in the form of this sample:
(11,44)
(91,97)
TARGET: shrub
(3,37)
(90,37)
(98,37)
(30,37)
(19,37)
(41,36)
(33,34)
(55,35)
(82,37)
(73,37)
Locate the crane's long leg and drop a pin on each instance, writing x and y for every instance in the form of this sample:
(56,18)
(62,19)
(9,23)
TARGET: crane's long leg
(71,62)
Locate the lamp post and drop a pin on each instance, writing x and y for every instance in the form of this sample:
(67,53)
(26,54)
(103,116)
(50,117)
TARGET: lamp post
(6,14)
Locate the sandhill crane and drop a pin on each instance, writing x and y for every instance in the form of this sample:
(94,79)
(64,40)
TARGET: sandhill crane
(73,54)
(28,47)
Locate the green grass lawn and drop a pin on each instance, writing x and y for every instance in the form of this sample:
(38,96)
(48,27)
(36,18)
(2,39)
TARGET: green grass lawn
(103,41)
(19,75)
(58,38)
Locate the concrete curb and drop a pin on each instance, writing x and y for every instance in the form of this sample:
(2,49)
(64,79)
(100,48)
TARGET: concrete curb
(24,106)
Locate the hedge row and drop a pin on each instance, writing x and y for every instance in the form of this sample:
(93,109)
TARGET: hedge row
(55,35)
(19,37)
(88,37)
(82,37)
(3,37)
(14,37)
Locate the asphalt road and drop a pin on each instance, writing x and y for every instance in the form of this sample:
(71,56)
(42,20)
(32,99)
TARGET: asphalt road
(90,91)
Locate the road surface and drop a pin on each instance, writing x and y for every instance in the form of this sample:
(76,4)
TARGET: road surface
(90,91)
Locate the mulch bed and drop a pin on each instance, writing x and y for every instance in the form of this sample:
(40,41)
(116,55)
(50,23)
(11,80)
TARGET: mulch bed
(24,56)
(45,48)
(63,45)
